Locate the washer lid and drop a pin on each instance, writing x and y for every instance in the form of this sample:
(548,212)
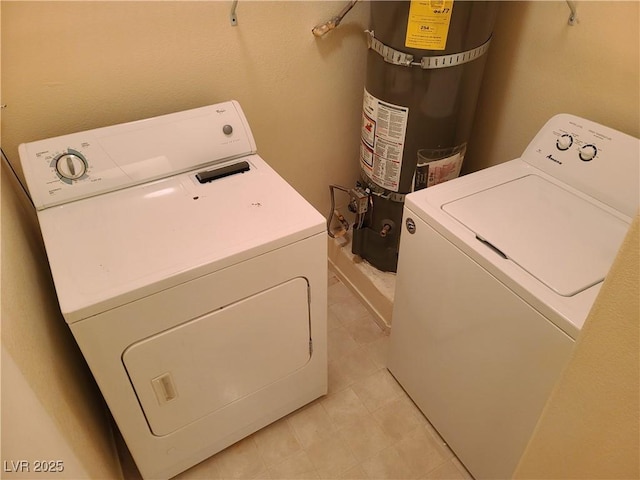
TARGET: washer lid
(559,237)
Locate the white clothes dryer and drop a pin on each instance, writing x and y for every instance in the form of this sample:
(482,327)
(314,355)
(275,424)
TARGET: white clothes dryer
(192,276)
(497,273)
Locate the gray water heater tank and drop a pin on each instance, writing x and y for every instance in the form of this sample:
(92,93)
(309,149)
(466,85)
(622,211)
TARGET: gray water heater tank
(424,70)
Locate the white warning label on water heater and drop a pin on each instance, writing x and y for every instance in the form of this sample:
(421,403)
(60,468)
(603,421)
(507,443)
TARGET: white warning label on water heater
(383,132)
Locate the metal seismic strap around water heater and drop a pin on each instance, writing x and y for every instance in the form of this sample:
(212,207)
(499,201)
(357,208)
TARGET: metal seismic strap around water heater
(396,57)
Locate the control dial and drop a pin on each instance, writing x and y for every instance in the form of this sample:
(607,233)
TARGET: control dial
(71,165)
(564,142)
(587,152)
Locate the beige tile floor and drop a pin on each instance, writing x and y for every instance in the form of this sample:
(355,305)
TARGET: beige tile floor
(366,427)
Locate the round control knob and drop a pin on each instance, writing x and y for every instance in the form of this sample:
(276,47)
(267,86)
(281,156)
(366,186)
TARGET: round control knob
(227,129)
(564,142)
(71,165)
(587,152)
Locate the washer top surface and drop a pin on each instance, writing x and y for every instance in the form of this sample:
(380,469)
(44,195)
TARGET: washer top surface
(548,225)
(562,240)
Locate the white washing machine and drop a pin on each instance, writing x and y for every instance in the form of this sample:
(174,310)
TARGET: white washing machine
(497,273)
(192,276)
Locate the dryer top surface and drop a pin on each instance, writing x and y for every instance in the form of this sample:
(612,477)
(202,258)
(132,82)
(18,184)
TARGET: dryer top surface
(116,247)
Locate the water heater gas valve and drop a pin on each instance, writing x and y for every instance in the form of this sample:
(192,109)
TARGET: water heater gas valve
(359,201)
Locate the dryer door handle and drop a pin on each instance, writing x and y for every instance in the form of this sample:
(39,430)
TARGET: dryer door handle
(164,388)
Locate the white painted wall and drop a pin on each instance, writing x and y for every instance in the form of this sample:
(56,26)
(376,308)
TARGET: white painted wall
(70,66)
(539,66)
(28,428)
(51,408)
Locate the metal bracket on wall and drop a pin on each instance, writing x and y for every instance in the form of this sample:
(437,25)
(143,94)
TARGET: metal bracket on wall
(573,18)
(233,17)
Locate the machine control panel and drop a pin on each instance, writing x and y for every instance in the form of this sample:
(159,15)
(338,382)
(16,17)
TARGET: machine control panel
(80,165)
(70,165)
(586,153)
(564,141)
(595,159)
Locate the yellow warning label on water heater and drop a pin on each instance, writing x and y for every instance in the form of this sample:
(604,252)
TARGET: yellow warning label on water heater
(428,24)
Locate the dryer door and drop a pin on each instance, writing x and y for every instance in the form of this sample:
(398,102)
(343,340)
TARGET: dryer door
(199,367)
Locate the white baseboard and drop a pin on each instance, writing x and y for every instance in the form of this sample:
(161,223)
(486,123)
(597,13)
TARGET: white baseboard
(374,288)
